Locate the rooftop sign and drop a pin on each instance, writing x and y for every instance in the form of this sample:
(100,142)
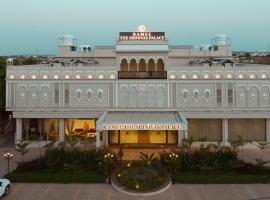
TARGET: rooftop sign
(141,34)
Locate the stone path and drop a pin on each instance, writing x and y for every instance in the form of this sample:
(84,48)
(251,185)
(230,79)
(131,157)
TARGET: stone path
(106,192)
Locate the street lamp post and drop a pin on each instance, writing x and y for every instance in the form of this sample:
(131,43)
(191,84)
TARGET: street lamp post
(8,157)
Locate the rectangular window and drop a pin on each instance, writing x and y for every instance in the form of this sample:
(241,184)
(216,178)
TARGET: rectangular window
(66,94)
(215,48)
(56,93)
(219,94)
(230,94)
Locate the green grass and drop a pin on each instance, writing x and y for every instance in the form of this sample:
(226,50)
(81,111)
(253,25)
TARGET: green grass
(42,177)
(221,178)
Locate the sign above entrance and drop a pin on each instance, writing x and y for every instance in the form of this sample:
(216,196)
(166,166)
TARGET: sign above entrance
(127,36)
(142,127)
(141,34)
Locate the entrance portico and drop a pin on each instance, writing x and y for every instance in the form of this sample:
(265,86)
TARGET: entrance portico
(141,128)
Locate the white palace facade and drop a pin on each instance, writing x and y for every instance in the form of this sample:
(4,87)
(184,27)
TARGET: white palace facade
(142,92)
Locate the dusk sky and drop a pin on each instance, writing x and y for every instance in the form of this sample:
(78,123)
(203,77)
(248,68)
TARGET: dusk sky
(33,26)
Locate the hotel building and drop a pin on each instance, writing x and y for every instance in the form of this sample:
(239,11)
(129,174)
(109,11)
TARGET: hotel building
(141,92)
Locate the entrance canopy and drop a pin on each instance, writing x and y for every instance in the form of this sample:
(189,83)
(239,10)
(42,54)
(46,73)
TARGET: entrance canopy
(123,120)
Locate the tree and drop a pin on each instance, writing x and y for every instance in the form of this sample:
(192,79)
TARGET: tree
(21,147)
(2,83)
(147,160)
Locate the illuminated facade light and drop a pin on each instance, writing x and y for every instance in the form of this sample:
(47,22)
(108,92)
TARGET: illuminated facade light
(229,76)
(195,76)
(56,76)
(78,76)
(172,76)
(12,76)
(252,76)
(45,76)
(33,76)
(217,76)
(264,76)
(184,76)
(67,76)
(240,76)
(23,76)
(89,76)
(101,76)
(206,76)
(112,76)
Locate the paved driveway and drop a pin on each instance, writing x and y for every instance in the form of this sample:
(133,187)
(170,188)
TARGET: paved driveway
(22,191)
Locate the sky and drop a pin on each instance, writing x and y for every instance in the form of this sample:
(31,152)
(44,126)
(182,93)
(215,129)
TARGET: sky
(33,26)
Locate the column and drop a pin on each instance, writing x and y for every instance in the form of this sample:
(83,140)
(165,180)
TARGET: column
(18,136)
(61,130)
(225,132)
(181,136)
(268,129)
(97,139)
(105,138)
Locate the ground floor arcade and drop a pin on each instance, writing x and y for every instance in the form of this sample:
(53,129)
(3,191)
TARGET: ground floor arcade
(141,129)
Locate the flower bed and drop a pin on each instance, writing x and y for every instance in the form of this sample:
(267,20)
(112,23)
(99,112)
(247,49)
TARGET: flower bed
(136,176)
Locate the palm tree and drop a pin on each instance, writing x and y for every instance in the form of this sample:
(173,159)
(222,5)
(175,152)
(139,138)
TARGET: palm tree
(147,159)
(262,146)
(21,147)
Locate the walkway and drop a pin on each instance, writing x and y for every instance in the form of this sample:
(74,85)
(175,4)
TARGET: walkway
(106,192)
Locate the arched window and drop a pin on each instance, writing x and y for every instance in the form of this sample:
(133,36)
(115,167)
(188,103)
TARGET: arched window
(100,94)
(160,65)
(124,65)
(78,94)
(89,94)
(133,65)
(185,94)
(196,95)
(151,65)
(142,65)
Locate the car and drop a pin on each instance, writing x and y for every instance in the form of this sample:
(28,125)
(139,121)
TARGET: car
(4,187)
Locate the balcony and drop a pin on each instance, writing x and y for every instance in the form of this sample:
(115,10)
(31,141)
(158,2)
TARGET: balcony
(142,75)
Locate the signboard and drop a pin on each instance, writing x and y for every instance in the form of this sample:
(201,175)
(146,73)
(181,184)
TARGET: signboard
(126,36)
(142,127)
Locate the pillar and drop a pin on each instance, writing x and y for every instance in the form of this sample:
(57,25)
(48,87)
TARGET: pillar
(105,138)
(268,129)
(181,136)
(18,136)
(61,130)
(97,139)
(225,132)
